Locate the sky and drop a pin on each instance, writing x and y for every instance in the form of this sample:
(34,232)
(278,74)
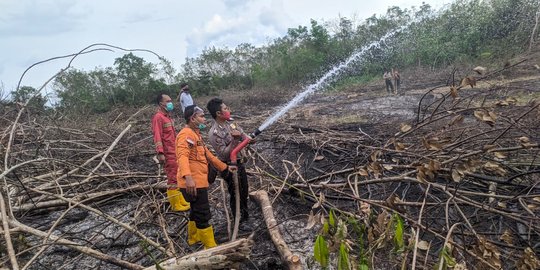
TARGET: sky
(35,30)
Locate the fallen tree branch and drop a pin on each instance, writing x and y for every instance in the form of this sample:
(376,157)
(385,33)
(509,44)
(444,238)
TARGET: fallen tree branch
(89,197)
(7,236)
(111,147)
(221,257)
(76,246)
(110,218)
(291,259)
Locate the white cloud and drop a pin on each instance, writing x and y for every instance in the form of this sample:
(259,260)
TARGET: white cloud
(235,3)
(253,22)
(275,16)
(43,18)
(218,24)
(33,30)
(215,31)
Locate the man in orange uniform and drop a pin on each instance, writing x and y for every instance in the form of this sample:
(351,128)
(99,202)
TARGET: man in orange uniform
(193,157)
(164,136)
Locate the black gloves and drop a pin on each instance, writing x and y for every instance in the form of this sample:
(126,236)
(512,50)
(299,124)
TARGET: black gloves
(224,174)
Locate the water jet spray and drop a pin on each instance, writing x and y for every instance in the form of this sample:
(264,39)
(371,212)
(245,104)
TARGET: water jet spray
(323,81)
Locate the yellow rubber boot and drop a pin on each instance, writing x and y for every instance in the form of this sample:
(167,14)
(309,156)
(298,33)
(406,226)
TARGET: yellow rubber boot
(175,199)
(183,201)
(207,237)
(192,233)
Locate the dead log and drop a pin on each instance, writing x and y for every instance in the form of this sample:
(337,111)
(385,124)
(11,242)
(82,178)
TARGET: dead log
(292,260)
(111,147)
(110,218)
(221,257)
(89,197)
(7,236)
(74,245)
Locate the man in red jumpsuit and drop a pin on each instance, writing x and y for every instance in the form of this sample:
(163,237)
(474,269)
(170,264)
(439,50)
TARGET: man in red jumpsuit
(164,139)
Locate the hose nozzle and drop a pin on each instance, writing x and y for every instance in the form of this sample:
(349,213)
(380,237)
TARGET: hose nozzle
(245,140)
(255,133)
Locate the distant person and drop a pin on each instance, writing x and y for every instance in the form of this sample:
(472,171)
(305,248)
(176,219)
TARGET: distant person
(184,98)
(388,80)
(192,157)
(397,79)
(164,137)
(224,136)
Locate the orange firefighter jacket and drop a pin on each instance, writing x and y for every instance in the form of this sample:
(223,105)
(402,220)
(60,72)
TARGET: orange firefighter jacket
(193,157)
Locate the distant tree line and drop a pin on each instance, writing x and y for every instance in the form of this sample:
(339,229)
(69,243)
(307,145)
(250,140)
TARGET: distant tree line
(463,31)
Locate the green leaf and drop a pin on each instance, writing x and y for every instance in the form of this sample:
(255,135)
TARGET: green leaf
(445,259)
(320,251)
(437,266)
(343,261)
(485,55)
(398,233)
(145,245)
(326,227)
(332,218)
(448,259)
(363,265)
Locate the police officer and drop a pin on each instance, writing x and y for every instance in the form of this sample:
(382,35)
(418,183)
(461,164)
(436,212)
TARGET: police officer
(224,136)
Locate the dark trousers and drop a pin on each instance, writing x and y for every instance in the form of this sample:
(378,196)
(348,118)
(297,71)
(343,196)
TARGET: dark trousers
(244,189)
(397,84)
(389,86)
(199,207)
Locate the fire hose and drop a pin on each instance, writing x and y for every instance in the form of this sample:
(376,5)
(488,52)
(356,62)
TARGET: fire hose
(246,139)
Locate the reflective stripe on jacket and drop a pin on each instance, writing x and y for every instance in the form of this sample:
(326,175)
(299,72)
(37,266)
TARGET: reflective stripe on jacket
(164,133)
(192,157)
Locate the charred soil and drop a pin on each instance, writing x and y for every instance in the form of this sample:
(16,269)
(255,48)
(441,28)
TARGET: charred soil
(456,167)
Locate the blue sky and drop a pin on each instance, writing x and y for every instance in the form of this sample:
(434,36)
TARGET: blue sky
(34,30)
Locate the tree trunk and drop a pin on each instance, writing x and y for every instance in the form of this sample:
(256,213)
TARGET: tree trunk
(292,260)
(7,235)
(223,256)
(76,246)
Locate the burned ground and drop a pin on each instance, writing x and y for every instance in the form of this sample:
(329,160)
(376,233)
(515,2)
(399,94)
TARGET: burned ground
(458,167)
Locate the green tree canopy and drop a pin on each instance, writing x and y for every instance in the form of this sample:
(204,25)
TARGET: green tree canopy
(131,82)
(24,93)
(462,31)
